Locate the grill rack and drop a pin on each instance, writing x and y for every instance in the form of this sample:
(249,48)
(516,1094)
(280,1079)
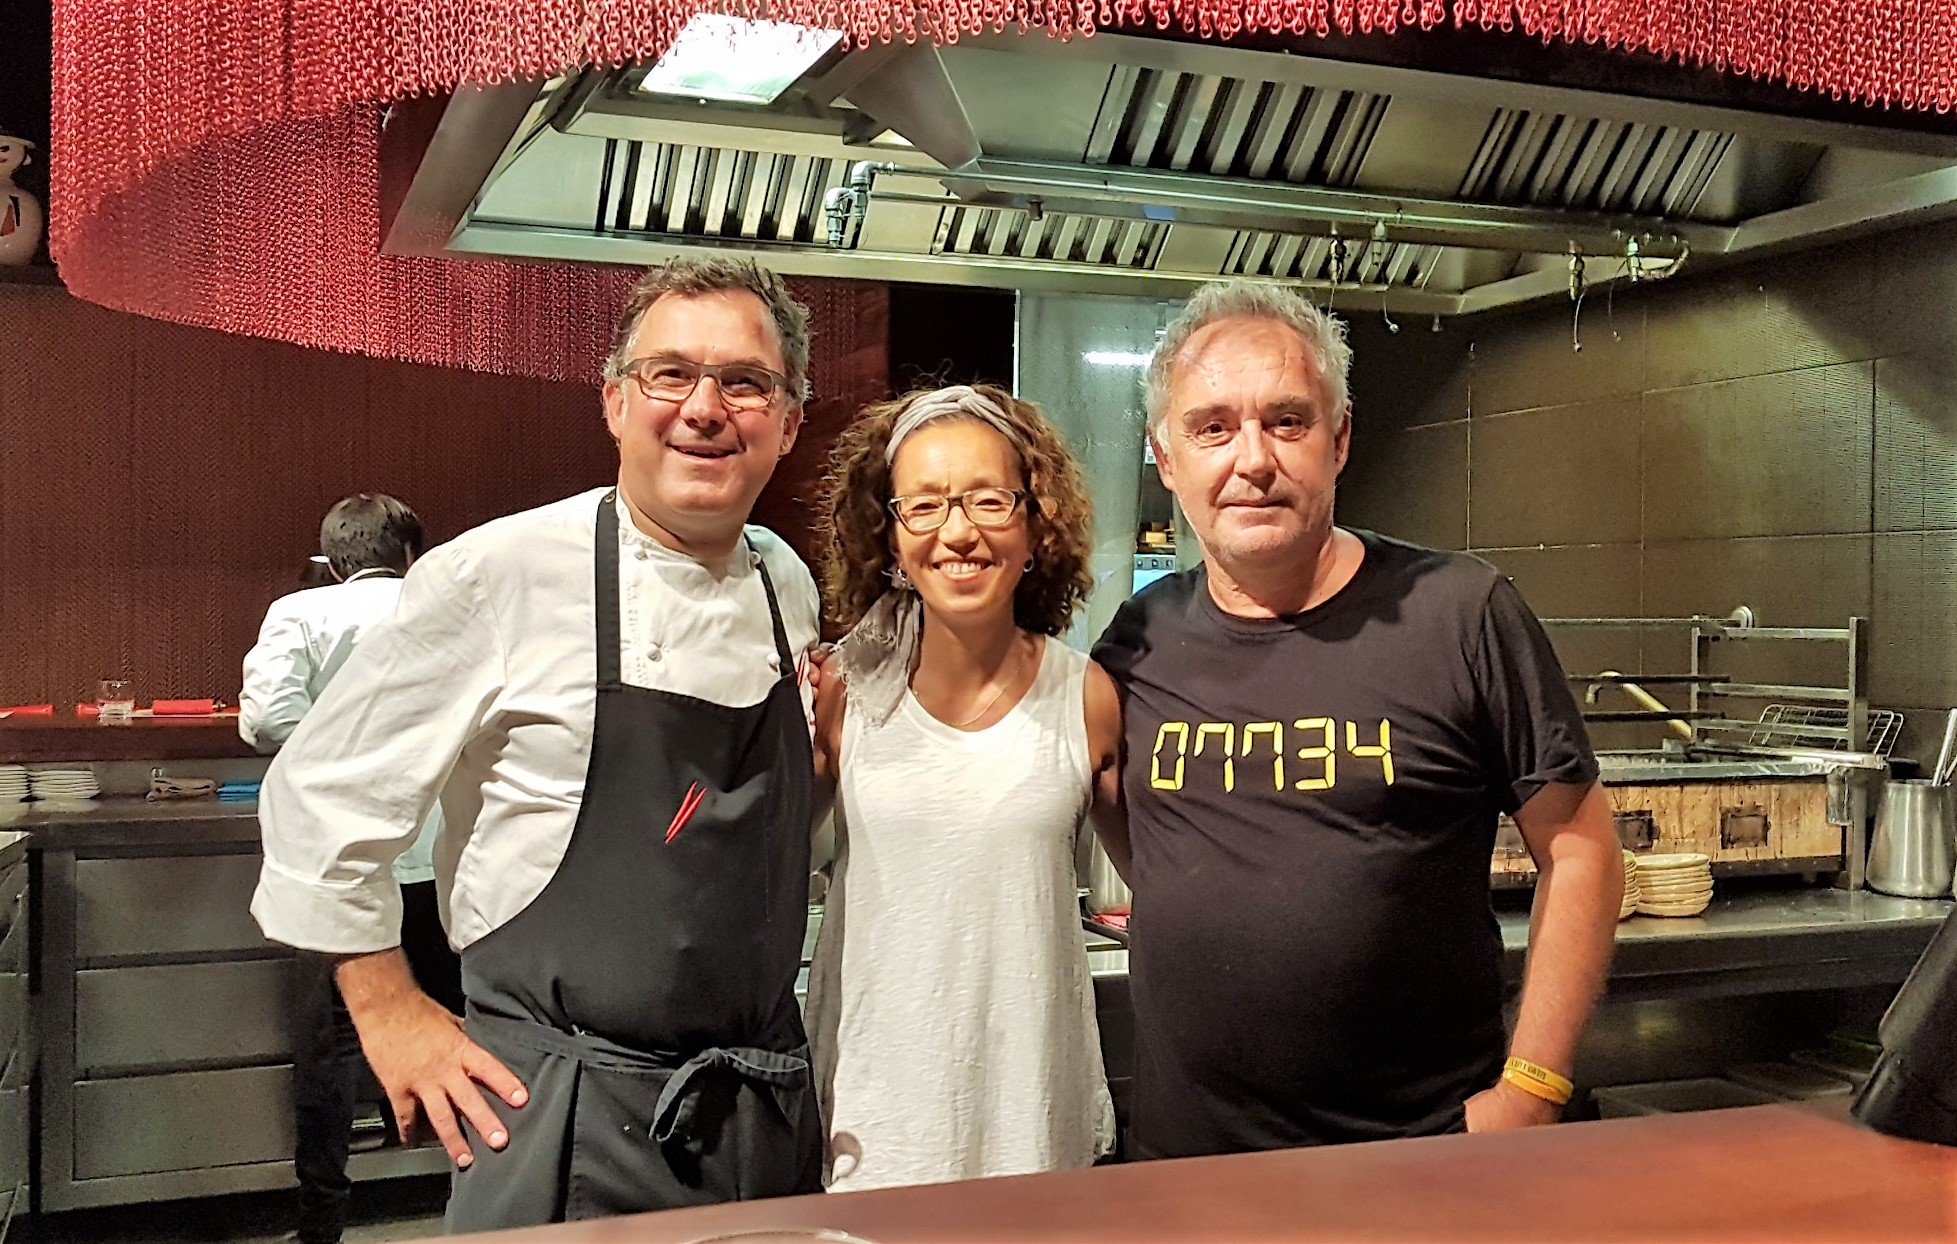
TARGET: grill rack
(1795,725)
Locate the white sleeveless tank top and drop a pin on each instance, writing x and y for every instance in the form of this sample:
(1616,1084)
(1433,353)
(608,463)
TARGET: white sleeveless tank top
(950,1007)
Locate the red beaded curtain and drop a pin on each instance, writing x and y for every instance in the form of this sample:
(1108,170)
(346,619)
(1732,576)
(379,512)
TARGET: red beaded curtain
(218,158)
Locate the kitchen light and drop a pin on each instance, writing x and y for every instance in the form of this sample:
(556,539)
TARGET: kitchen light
(736,59)
(1116,358)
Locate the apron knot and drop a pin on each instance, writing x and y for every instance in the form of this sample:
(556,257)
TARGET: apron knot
(672,1116)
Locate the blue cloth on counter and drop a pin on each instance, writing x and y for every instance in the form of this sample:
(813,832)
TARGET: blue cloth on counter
(238,792)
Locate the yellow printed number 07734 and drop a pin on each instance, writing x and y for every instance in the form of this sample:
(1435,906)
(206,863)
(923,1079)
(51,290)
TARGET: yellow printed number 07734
(1247,748)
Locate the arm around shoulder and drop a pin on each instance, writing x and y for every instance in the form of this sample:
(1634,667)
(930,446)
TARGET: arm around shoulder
(1104,745)
(831,700)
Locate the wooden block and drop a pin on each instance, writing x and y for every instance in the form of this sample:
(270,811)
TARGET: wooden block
(1801,824)
(1697,819)
(1667,807)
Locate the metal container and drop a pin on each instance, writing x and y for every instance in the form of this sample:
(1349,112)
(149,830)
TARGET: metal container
(1107,892)
(1912,855)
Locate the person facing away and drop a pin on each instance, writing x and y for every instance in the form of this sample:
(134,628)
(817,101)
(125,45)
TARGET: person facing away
(949,1000)
(369,540)
(1322,726)
(603,695)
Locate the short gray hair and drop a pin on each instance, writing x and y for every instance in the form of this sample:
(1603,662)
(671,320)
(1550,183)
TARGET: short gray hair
(690,278)
(1322,333)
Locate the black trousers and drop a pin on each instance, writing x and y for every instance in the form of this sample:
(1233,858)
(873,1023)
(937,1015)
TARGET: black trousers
(328,1069)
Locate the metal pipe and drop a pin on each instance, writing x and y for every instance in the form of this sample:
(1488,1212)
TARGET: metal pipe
(1283,208)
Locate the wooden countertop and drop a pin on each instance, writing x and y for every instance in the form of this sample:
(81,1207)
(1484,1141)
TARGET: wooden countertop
(64,736)
(1773,1173)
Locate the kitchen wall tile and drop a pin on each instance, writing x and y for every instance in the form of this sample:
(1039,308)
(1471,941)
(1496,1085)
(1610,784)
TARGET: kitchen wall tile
(1913,637)
(1525,359)
(1805,310)
(1410,378)
(1561,475)
(1783,454)
(1584,581)
(1790,581)
(1915,280)
(1411,484)
(1916,442)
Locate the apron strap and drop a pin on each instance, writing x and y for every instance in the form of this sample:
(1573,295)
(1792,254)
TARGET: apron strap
(774,612)
(672,1116)
(673,1113)
(605,566)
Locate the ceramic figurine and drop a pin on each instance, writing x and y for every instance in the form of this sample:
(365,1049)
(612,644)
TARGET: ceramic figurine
(20,212)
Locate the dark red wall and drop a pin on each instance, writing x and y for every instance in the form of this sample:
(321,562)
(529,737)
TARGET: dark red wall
(160,485)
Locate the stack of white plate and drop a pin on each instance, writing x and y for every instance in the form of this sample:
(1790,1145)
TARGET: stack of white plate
(1674,885)
(65,785)
(13,783)
(1630,905)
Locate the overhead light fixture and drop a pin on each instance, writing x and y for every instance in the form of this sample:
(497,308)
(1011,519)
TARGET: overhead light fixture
(1116,358)
(736,59)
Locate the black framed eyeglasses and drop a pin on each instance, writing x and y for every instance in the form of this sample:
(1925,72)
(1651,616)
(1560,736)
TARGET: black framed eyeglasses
(743,386)
(925,512)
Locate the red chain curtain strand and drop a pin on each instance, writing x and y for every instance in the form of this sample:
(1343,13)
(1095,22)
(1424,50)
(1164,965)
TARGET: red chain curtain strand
(218,159)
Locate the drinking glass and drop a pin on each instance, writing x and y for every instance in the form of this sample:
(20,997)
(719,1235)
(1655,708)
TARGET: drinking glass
(117,704)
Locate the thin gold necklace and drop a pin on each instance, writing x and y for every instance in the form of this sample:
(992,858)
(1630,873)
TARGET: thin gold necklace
(960,725)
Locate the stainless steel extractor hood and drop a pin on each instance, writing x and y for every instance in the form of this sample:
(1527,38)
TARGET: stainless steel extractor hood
(1137,165)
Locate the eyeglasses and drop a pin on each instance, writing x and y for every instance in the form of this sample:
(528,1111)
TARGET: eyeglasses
(743,386)
(984,507)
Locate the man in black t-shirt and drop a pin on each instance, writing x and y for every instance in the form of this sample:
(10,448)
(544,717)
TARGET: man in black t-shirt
(1322,726)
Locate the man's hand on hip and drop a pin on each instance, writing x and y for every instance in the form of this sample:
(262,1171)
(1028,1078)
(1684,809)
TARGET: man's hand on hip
(422,1058)
(1506,1107)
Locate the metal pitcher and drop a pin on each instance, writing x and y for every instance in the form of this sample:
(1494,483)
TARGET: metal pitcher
(1912,855)
(1107,892)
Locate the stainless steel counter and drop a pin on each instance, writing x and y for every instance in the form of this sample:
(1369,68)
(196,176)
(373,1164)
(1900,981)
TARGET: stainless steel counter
(128,822)
(1813,937)
(1810,938)
(1622,768)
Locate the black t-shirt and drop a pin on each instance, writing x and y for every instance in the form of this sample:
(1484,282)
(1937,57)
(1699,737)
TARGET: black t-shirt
(1312,802)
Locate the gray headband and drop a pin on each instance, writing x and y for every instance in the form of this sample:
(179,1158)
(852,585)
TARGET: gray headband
(957,399)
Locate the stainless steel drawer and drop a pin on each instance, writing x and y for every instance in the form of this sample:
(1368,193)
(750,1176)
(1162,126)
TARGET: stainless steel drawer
(13,1137)
(13,884)
(13,942)
(185,1122)
(13,1014)
(175,905)
(206,1012)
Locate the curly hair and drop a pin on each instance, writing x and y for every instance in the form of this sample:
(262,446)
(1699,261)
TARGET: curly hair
(857,535)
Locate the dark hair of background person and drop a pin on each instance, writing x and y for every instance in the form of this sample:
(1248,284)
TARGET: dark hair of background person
(370,531)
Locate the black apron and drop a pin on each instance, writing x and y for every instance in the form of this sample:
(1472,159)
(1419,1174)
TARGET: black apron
(646,997)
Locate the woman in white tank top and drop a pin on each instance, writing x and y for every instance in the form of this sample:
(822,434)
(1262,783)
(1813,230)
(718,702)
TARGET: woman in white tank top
(950,1007)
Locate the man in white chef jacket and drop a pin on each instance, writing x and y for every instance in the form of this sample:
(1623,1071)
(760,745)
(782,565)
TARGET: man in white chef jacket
(368,540)
(603,696)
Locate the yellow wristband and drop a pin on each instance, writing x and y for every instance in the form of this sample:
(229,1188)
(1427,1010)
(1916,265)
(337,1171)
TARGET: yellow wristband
(1538,1081)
